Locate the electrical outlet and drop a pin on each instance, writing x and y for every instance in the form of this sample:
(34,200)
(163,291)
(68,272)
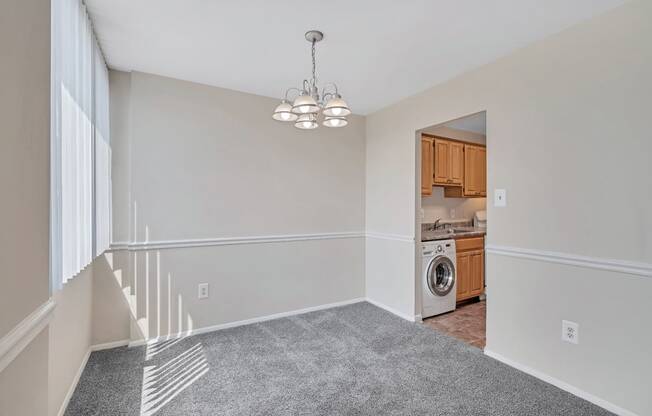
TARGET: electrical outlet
(452,213)
(570,332)
(203,290)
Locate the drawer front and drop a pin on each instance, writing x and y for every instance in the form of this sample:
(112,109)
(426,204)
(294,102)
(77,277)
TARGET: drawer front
(473,243)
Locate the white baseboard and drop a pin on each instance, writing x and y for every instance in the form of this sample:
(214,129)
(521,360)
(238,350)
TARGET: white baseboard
(562,385)
(411,318)
(212,328)
(74,383)
(109,345)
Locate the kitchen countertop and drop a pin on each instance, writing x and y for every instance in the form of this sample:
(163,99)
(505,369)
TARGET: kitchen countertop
(461,232)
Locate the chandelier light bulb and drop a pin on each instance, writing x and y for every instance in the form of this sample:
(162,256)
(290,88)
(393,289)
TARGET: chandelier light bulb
(305,104)
(336,107)
(306,122)
(284,112)
(335,122)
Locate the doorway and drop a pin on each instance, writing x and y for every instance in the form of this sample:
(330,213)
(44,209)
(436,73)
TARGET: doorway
(451,217)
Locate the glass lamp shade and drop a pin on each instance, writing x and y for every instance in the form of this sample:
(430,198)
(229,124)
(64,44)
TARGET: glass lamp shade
(335,122)
(336,107)
(284,112)
(305,104)
(306,122)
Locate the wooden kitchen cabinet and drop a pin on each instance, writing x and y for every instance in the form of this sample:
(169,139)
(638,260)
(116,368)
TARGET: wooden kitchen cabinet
(449,163)
(457,163)
(470,267)
(462,274)
(427,165)
(459,167)
(475,170)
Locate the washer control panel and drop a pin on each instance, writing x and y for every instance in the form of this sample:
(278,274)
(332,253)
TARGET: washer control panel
(432,248)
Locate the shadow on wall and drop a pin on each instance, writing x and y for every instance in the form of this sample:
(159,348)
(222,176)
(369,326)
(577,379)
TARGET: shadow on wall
(140,284)
(135,288)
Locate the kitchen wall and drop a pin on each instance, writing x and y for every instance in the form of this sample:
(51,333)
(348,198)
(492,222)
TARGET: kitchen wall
(24,211)
(436,206)
(212,190)
(568,138)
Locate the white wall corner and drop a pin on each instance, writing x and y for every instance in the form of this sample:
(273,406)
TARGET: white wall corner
(406,316)
(109,345)
(73,385)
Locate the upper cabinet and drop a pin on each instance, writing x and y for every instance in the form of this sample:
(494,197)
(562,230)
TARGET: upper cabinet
(475,170)
(461,168)
(457,163)
(427,165)
(449,163)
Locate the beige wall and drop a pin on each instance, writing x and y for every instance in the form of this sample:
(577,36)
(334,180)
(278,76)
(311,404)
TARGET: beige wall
(24,383)
(24,158)
(568,138)
(198,162)
(70,336)
(25,181)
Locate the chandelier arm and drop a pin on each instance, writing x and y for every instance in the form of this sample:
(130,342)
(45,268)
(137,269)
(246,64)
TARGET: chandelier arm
(326,95)
(306,87)
(288,91)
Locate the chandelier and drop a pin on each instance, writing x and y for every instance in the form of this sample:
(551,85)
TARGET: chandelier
(305,108)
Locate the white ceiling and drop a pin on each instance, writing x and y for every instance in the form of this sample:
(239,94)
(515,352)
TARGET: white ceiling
(378,51)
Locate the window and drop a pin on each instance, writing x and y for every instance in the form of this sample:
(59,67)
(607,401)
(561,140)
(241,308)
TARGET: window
(80,152)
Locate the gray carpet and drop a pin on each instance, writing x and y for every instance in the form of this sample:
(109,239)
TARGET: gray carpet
(353,360)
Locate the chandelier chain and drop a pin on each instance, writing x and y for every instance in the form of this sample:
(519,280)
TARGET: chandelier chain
(314,78)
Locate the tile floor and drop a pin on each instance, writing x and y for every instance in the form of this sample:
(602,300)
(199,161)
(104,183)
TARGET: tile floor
(466,323)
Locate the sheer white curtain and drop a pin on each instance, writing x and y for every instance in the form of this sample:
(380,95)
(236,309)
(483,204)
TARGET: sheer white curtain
(102,156)
(80,167)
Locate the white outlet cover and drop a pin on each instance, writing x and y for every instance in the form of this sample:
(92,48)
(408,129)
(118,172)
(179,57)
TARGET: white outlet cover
(500,198)
(570,332)
(202,291)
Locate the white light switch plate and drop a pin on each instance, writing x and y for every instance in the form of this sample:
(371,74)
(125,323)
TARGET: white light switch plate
(500,198)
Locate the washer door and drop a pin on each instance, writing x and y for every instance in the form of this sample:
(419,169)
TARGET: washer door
(441,276)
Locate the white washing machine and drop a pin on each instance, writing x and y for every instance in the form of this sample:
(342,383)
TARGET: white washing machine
(439,280)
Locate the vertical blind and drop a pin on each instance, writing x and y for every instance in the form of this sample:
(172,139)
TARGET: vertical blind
(80,144)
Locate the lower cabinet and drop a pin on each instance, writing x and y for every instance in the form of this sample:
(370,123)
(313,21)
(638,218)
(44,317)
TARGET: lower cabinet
(470,267)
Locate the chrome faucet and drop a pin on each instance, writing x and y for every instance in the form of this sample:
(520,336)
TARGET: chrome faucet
(437,223)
